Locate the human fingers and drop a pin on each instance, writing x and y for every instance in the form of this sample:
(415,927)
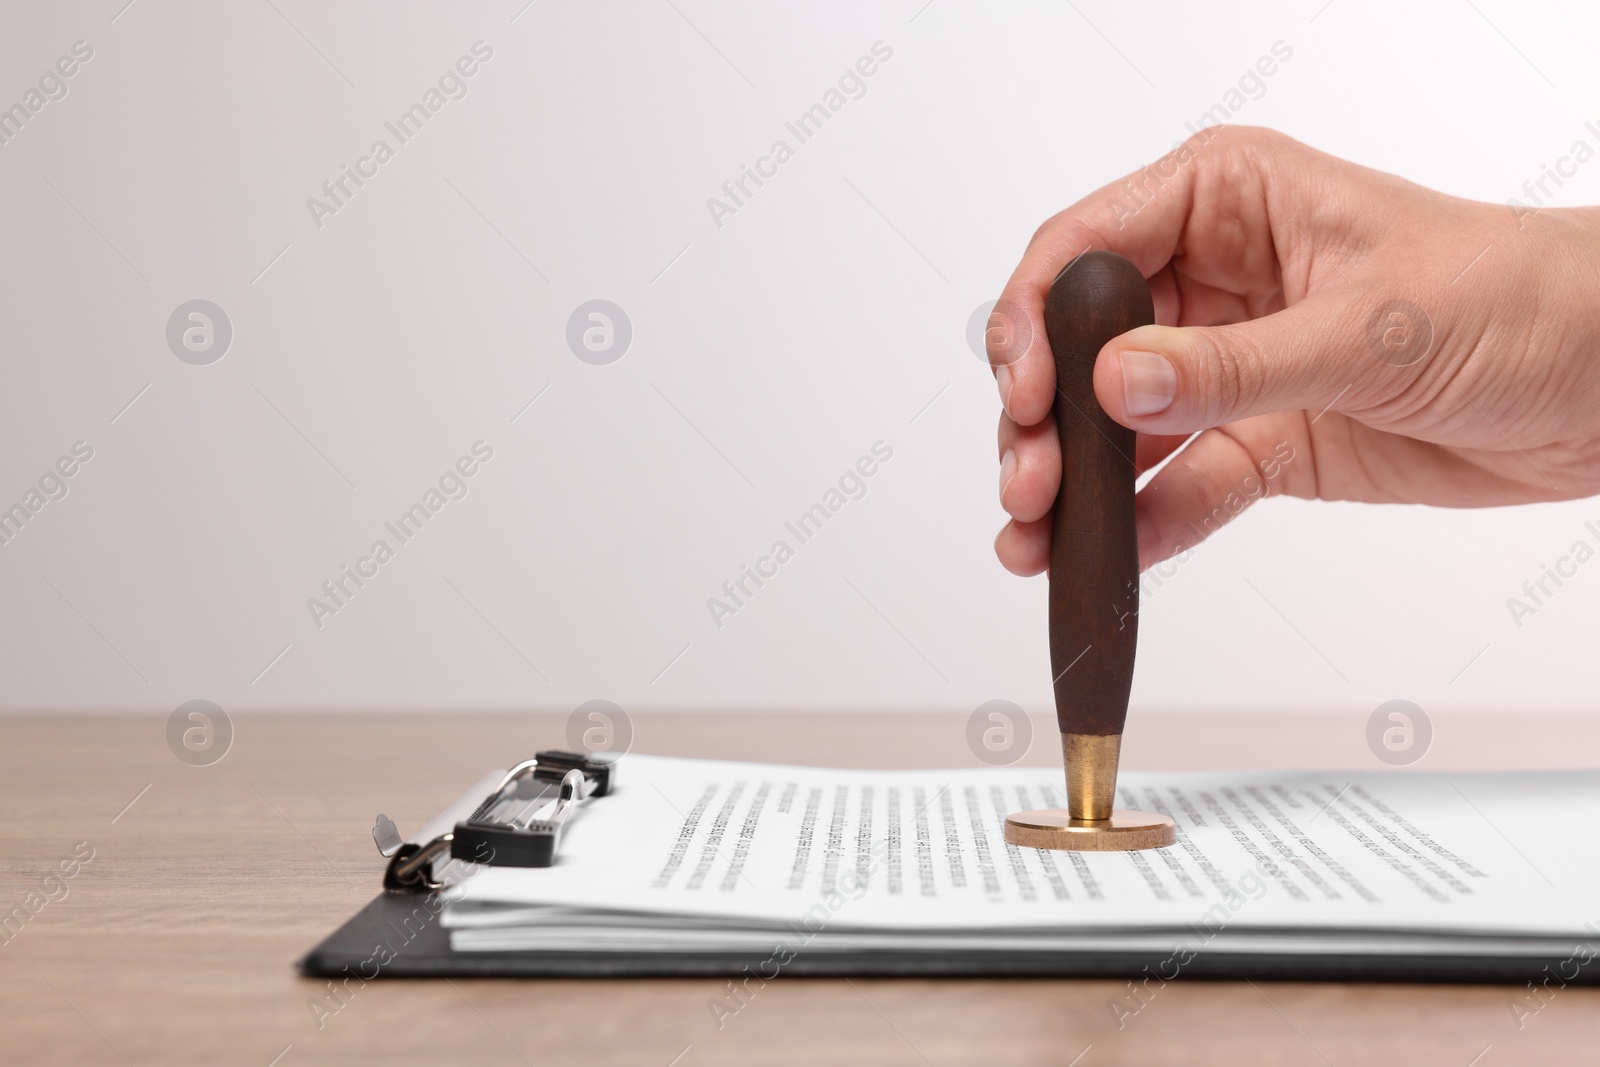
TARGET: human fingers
(1222,472)
(1147,217)
(1024,547)
(1182,379)
(1030,468)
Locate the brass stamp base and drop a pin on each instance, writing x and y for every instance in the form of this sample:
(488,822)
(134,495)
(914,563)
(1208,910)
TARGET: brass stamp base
(1055,828)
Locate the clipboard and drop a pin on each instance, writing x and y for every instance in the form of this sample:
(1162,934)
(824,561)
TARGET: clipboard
(517,818)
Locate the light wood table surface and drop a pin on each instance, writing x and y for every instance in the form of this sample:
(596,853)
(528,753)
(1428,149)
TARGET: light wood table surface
(175,943)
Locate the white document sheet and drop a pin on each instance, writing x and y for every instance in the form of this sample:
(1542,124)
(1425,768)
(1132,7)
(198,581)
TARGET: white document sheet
(706,855)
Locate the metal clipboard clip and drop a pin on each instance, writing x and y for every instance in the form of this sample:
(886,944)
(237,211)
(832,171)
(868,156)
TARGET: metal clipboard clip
(519,824)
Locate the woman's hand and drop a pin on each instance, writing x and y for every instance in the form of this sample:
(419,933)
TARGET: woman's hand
(1329,331)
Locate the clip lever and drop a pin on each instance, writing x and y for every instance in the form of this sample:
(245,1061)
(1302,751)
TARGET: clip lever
(518,825)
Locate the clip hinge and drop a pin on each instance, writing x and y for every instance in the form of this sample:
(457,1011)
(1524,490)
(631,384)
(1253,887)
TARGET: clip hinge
(519,824)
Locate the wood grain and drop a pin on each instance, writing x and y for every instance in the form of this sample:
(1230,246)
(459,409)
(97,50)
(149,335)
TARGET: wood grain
(175,943)
(1094,553)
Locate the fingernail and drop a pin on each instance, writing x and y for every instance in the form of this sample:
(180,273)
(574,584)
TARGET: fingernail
(1002,377)
(1148,382)
(1008,468)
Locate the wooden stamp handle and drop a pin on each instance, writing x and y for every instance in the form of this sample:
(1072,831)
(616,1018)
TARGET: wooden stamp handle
(1094,552)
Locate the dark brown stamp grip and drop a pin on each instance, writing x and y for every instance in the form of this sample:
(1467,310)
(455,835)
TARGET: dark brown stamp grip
(1094,553)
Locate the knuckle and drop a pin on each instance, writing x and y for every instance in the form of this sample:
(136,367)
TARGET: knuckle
(1259,137)
(1070,231)
(1043,229)
(1051,231)
(1228,372)
(1239,143)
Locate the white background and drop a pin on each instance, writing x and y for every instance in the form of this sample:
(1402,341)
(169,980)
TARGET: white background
(768,354)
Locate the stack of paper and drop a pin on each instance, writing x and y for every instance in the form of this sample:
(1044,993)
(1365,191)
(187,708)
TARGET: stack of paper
(707,856)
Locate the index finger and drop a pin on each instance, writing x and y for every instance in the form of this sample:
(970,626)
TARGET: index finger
(1141,217)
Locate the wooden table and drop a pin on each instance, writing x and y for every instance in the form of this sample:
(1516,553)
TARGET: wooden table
(175,943)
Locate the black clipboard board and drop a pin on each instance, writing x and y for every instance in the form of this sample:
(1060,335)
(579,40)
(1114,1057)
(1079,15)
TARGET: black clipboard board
(399,934)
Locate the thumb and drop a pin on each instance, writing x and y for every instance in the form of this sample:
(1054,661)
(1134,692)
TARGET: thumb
(1179,379)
